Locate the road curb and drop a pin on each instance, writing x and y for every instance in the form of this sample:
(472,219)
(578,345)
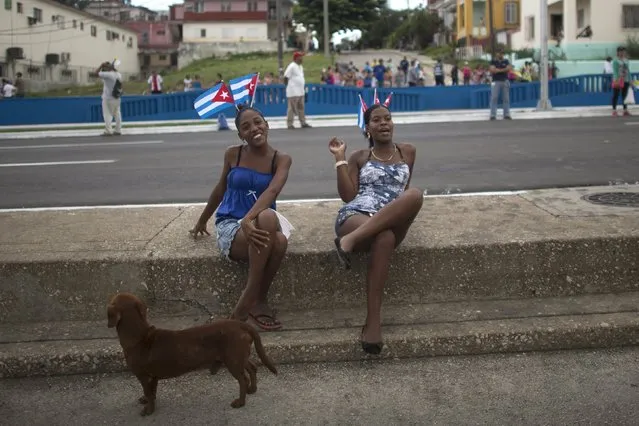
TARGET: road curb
(334,345)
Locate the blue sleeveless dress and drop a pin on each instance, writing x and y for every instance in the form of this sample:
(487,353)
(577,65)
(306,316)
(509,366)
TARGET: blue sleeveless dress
(379,184)
(243,187)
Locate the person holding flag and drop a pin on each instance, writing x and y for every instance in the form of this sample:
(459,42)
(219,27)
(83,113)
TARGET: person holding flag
(247,224)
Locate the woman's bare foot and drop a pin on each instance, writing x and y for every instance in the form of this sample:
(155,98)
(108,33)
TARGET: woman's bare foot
(264,317)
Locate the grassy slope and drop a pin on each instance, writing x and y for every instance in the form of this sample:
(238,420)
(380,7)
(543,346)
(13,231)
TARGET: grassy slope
(208,69)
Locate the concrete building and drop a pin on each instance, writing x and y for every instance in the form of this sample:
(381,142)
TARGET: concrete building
(579,29)
(122,11)
(217,27)
(158,43)
(473,21)
(53,45)
(447,11)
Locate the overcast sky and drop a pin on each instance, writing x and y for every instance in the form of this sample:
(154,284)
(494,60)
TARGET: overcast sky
(164,4)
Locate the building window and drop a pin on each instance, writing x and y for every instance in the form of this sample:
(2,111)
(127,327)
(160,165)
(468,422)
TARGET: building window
(145,38)
(94,31)
(75,24)
(203,33)
(108,35)
(160,32)
(630,14)
(252,6)
(199,7)
(530,28)
(226,6)
(7,4)
(581,18)
(81,26)
(511,13)
(130,42)
(162,57)
(19,8)
(37,14)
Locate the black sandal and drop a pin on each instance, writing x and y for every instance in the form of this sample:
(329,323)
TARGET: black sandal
(343,257)
(370,348)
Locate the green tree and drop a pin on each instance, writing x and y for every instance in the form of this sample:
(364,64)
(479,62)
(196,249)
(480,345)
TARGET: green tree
(343,14)
(377,34)
(417,31)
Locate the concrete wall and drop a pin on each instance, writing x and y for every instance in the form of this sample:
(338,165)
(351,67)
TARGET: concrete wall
(224,31)
(189,52)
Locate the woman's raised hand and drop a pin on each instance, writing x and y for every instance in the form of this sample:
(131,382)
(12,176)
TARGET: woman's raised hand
(337,147)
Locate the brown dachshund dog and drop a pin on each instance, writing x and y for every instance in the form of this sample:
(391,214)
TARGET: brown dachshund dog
(153,354)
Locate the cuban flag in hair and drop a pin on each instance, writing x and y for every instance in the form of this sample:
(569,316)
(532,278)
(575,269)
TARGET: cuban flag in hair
(360,114)
(243,88)
(375,98)
(388,100)
(213,101)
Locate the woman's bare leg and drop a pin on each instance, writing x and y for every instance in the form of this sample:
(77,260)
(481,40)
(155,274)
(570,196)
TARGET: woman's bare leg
(381,248)
(241,249)
(392,216)
(262,311)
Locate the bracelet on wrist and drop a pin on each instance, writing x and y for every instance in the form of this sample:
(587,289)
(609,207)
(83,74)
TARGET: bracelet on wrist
(341,163)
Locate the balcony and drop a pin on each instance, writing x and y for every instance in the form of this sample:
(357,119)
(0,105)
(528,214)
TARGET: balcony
(225,16)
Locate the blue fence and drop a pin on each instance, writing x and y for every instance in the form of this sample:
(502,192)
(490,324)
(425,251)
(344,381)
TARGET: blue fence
(582,90)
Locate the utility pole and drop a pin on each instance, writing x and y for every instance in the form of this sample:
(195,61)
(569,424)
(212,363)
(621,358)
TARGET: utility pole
(544,101)
(327,36)
(491,23)
(280,36)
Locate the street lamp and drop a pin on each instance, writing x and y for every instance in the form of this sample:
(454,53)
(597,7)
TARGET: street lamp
(327,50)
(544,101)
(280,36)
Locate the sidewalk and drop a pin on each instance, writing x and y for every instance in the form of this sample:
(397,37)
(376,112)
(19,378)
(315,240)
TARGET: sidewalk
(188,126)
(540,270)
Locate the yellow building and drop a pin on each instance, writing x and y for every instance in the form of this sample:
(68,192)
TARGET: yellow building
(473,20)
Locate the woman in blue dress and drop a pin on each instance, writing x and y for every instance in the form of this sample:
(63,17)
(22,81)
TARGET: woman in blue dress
(380,208)
(247,225)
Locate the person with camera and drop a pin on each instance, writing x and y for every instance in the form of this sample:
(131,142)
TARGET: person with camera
(111,97)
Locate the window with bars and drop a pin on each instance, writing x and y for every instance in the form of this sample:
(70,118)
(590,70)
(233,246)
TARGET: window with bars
(630,16)
(511,13)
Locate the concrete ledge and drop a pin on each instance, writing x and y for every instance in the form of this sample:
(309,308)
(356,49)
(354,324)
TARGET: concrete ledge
(65,265)
(459,328)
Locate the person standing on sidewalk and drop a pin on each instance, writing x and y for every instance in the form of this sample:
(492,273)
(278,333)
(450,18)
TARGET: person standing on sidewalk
(620,80)
(499,69)
(295,85)
(111,94)
(438,72)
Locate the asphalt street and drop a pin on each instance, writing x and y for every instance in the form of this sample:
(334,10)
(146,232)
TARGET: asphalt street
(564,388)
(451,158)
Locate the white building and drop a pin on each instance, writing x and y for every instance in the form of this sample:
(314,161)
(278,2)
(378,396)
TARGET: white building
(52,44)
(123,11)
(579,29)
(447,11)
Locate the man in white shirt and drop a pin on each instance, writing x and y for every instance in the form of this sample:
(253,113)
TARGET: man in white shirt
(111,98)
(155,82)
(295,91)
(8,89)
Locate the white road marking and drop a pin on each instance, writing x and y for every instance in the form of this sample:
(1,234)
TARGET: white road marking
(57,163)
(632,123)
(178,205)
(73,145)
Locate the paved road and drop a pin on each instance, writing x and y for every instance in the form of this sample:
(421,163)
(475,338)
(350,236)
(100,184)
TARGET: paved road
(596,388)
(452,157)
